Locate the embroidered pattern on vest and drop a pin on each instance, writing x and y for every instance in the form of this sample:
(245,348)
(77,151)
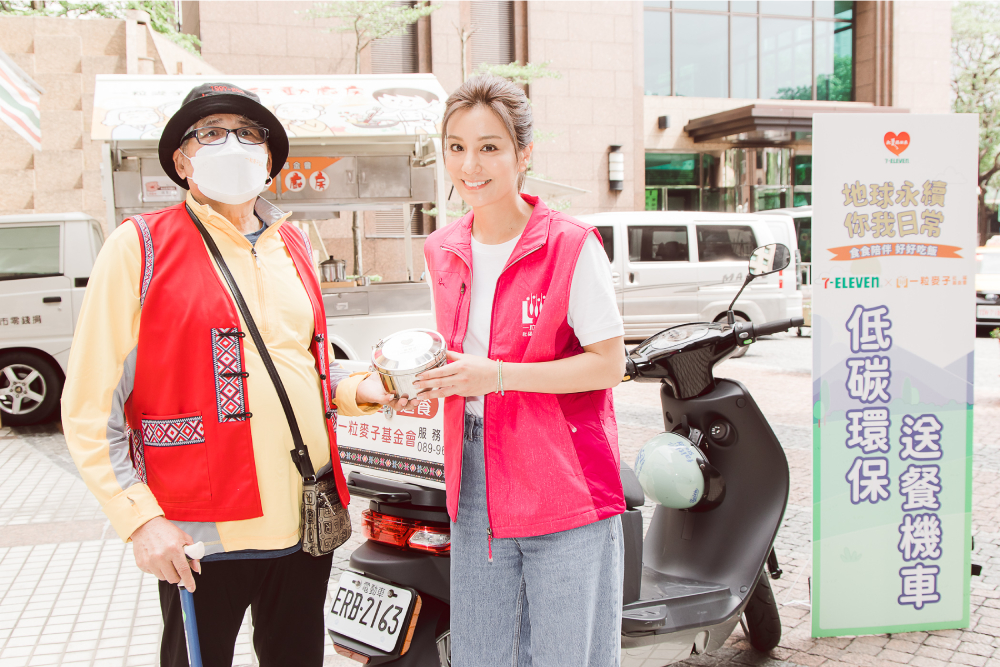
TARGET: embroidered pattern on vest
(305,237)
(173,432)
(135,447)
(227,363)
(147,258)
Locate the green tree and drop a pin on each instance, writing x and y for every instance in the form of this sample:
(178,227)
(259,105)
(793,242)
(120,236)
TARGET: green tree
(162,17)
(370,20)
(975,86)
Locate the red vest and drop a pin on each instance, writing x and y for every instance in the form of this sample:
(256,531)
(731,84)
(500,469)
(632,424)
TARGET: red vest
(551,459)
(188,414)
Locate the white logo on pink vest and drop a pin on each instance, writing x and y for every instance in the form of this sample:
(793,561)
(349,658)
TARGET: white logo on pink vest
(530,308)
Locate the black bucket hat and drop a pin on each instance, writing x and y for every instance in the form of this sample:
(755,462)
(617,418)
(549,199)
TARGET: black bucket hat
(213,98)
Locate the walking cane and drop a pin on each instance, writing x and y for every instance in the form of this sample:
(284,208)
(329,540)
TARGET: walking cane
(194,551)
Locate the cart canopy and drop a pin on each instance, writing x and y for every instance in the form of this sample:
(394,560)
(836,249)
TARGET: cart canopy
(365,107)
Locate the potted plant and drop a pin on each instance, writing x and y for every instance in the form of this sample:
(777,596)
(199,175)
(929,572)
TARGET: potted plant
(995,334)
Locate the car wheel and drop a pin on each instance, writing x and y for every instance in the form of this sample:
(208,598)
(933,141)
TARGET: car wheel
(30,388)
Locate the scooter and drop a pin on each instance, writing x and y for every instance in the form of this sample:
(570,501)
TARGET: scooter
(694,577)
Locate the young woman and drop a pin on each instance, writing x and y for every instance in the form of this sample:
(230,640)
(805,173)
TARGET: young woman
(524,298)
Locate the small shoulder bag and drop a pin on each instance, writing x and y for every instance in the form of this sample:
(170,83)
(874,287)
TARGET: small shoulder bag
(326,523)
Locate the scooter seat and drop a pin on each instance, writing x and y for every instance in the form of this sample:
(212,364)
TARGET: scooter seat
(634,496)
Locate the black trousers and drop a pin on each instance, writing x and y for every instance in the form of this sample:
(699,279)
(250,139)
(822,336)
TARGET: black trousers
(286,597)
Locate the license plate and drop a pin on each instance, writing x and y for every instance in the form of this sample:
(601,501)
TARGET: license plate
(988,312)
(369,611)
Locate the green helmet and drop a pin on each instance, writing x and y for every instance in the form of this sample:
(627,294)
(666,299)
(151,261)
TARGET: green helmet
(676,474)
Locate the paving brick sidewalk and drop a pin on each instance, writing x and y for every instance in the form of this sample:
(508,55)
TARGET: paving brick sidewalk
(70,593)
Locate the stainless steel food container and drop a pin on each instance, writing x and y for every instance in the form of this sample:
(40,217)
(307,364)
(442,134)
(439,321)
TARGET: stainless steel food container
(333,270)
(400,357)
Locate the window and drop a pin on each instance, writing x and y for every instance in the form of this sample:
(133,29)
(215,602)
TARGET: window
(744,57)
(672,168)
(778,49)
(608,237)
(29,252)
(725,243)
(785,59)
(803,235)
(389,224)
(656,49)
(398,54)
(684,182)
(802,178)
(834,43)
(493,39)
(700,53)
(658,244)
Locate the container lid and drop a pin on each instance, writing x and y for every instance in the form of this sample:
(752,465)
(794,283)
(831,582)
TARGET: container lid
(409,351)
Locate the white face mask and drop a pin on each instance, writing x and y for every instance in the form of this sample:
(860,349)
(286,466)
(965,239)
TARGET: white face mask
(231,172)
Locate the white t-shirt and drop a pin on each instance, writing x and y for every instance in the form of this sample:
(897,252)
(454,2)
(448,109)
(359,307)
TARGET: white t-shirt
(593,308)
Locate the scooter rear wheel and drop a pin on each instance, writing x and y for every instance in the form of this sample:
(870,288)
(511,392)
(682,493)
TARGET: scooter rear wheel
(762,623)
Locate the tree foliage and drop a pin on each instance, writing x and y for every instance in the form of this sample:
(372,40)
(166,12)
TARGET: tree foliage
(370,20)
(162,18)
(975,42)
(520,74)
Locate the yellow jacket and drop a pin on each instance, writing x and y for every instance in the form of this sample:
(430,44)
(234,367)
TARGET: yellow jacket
(101,368)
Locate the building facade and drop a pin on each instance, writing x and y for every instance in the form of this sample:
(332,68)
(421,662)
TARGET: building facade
(710,102)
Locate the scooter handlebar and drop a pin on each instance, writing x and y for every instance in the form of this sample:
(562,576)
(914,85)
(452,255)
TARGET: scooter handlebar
(778,326)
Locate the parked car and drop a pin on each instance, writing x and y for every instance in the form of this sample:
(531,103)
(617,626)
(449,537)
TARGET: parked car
(671,267)
(988,286)
(45,262)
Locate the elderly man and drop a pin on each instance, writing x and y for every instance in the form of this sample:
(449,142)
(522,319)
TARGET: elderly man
(169,410)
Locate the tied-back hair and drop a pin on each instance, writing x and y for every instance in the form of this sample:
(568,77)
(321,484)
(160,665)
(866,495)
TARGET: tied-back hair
(504,99)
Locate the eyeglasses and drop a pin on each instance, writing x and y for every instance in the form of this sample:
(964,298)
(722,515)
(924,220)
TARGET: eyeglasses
(217,135)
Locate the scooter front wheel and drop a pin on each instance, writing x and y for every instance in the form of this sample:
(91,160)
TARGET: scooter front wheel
(761,621)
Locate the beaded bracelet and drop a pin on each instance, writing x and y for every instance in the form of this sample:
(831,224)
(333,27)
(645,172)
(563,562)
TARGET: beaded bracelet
(499,389)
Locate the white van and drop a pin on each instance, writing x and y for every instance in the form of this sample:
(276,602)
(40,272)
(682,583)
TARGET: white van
(671,267)
(45,261)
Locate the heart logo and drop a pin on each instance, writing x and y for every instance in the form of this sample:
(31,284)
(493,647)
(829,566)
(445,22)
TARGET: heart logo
(897,143)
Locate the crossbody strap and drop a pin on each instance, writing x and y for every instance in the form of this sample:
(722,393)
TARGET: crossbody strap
(300,455)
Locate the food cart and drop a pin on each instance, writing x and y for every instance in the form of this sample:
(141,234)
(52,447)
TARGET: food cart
(357,143)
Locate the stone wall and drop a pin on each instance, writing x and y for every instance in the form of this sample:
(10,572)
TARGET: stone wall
(922,56)
(271,38)
(64,57)
(595,103)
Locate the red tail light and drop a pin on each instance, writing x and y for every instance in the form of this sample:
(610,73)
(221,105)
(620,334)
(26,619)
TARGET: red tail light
(395,531)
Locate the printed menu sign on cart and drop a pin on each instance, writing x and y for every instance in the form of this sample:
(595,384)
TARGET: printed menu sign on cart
(408,447)
(894,243)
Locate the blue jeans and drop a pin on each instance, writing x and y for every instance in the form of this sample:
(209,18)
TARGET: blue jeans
(550,601)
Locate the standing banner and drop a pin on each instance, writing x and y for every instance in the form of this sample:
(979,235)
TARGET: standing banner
(894,243)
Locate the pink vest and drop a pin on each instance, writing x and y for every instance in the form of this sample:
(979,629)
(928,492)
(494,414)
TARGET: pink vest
(551,459)
(189,411)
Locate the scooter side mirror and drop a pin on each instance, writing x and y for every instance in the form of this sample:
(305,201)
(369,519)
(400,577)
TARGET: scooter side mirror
(765,260)
(769,258)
